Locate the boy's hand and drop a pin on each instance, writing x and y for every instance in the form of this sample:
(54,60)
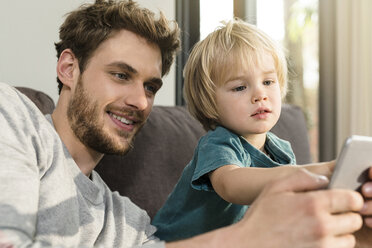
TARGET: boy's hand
(325,168)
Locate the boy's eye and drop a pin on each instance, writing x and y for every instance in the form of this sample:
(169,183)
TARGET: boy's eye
(268,82)
(240,88)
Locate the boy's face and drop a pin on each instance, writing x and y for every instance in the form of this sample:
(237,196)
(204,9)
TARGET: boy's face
(249,100)
(115,93)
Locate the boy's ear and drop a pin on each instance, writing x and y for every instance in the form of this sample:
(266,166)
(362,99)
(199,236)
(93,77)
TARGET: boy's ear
(67,68)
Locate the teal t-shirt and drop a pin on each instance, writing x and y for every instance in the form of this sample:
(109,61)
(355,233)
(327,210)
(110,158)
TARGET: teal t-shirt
(194,207)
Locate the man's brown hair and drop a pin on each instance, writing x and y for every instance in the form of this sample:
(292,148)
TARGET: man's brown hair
(87,27)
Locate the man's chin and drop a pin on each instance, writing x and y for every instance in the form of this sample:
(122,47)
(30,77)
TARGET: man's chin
(119,152)
(119,144)
(123,147)
(114,150)
(110,146)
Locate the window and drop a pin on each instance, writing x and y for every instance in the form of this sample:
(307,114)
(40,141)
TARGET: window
(212,12)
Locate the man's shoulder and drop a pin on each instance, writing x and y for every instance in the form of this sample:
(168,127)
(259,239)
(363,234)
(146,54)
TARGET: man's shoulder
(12,101)
(6,89)
(22,118)
(10,94)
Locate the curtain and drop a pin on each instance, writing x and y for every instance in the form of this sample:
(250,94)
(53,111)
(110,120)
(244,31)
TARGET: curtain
(354,68)
(345,72)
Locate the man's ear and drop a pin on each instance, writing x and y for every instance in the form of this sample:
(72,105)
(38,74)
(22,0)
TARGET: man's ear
(67,68)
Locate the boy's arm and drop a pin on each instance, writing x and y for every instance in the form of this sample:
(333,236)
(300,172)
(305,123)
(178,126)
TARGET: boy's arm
(288,213)
(242,185)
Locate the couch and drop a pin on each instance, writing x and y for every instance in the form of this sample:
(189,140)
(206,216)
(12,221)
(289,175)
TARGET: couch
(165,145)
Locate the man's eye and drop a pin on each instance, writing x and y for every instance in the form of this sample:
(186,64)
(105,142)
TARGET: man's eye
(151,88)
(121,76)
(240,88)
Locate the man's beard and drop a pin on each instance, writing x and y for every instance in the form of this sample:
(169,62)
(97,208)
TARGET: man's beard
(83,115)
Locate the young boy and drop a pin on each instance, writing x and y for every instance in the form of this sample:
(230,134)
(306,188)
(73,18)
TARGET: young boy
(235,80)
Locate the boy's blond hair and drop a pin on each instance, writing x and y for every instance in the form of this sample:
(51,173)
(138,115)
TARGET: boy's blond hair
(234,46)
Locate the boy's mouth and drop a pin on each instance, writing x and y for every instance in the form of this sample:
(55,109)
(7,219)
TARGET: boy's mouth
(261,111)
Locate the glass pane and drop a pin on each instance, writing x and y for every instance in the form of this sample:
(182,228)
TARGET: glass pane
(295,24)
(270,18)
(212,12)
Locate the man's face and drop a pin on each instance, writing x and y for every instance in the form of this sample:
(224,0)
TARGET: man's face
(114,95)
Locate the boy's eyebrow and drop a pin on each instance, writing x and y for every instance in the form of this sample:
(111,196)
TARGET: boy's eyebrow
(240,77)
(270,71)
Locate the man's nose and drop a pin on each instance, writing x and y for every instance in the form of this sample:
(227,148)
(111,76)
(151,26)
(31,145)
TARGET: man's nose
(137,97)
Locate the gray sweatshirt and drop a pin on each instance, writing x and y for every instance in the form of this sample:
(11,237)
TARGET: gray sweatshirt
(45,200)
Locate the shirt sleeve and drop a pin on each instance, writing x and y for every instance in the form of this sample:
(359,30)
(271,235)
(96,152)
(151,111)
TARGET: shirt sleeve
(215,150)
(19,172)
(158,244)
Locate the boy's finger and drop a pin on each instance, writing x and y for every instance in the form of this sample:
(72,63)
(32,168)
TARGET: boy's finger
(299,181)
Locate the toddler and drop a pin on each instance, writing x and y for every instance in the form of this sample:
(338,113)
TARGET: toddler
(235,80)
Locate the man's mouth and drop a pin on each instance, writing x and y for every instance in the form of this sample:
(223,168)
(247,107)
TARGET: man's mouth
(122,119)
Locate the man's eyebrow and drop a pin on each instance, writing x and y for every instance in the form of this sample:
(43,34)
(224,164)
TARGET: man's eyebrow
(123,66)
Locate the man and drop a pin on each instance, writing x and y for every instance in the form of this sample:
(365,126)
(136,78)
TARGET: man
(111,59)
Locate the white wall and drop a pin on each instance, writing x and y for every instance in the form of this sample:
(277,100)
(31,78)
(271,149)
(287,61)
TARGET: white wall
(28,30)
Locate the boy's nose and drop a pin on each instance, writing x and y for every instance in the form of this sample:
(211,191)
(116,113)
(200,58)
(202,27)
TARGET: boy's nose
(259,98)
(259,95)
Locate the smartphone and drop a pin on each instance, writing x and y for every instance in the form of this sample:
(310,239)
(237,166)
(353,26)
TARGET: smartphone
(352,164)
